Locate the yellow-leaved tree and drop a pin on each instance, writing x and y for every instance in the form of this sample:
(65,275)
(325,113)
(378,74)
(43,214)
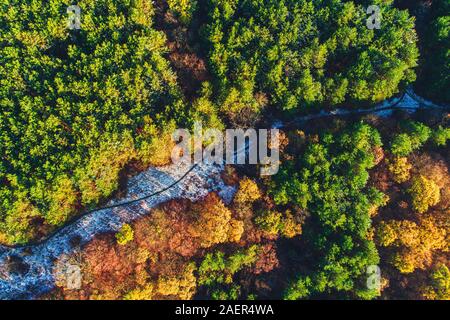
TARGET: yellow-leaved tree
(214,223)
(400,169)
(424,193)
(414,243)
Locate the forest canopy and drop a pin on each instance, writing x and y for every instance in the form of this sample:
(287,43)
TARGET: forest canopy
(296,55)
(359,190)
(77,105)
(434,77)
(329,180)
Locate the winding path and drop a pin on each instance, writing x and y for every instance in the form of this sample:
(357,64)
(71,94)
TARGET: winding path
(144,191)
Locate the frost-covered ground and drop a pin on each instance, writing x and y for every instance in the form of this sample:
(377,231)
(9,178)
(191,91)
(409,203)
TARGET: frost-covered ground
(37,274)
(408,102)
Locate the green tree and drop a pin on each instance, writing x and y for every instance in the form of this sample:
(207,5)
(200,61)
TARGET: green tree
(401,145)
(216,272)
(184,9)
(440,136)
(440,284)
(414,135)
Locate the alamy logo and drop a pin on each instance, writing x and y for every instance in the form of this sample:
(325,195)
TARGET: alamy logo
(374,277)
(67,274)
(374,21)
(74,22)
(233,147)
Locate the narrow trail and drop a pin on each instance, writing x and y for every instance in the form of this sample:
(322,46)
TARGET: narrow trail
(407,101)
(144,191)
